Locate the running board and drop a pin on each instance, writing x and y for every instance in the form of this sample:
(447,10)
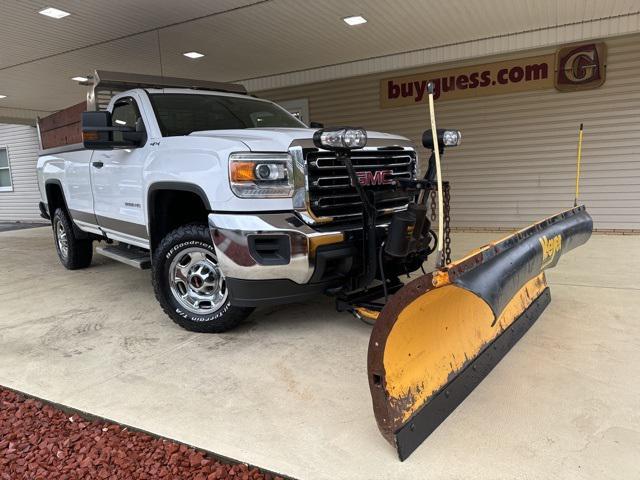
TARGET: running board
(132,256)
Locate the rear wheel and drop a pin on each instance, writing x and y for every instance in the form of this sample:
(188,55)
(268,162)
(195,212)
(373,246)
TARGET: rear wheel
(190,285)
(73,252)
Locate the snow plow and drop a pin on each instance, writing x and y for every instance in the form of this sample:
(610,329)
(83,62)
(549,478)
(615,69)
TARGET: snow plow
(441,334)
(438,336)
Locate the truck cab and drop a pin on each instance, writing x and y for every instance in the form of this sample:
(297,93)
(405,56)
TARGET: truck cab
(225,196)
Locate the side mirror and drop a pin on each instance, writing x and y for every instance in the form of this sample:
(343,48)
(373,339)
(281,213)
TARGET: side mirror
(94,137)
(138,135)
(98,133)
(316,125)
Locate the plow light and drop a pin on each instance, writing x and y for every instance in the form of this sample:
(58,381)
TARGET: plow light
(451,138)
(446,138)
(340,138)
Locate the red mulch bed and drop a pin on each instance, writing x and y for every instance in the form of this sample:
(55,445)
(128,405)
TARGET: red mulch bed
(40,442)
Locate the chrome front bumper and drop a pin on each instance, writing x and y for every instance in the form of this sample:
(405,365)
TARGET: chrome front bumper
(231,234)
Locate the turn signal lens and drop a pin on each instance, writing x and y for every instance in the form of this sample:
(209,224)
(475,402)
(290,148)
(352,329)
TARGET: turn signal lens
(90,136)
(242,171)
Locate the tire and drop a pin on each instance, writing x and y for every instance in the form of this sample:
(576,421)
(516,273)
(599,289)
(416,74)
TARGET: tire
(73,252)
(184,273)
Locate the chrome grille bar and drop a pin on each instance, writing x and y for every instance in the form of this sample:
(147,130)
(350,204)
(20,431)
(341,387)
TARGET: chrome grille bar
(329,190)
(389,162)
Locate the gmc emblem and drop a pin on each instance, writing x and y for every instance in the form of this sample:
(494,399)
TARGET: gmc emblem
(379,177)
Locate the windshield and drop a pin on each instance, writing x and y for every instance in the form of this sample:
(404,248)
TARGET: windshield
(183,113)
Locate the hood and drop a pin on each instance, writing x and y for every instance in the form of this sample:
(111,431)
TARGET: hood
(280,139)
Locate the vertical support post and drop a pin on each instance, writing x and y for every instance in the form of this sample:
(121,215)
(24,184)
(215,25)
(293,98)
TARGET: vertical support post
(575,199)
(436,151)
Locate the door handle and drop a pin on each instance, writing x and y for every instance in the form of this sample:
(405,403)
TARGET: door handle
(98,164)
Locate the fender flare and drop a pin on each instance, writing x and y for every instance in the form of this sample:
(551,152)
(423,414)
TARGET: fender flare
(181,186)
(57,182)
(170,186)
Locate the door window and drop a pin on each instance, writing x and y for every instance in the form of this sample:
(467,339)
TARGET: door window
(126,114)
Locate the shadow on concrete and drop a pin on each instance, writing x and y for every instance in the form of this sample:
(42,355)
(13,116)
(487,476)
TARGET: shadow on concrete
(8,226)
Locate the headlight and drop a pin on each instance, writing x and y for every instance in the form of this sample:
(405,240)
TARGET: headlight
(261,175)
(340,138)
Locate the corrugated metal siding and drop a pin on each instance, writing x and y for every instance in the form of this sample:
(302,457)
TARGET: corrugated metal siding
(517,160)
(22,202)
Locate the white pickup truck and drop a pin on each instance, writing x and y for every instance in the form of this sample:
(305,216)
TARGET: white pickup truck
(225,196)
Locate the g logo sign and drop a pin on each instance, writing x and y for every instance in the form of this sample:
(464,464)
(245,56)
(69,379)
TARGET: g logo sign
(580,67)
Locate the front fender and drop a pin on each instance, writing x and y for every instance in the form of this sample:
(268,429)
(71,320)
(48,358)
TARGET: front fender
(201,164)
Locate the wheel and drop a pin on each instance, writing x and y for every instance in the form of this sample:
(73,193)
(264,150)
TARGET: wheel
(189,284)
(73,252)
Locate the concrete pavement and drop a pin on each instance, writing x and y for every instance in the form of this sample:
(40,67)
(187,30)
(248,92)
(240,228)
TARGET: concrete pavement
(7,226)
(288,390)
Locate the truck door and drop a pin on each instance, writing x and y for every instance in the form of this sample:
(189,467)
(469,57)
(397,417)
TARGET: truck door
(117,180)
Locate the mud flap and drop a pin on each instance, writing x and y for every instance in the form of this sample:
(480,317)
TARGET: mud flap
(441,334)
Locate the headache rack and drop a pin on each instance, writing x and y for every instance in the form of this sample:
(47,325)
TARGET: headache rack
(105,84)
(331,194)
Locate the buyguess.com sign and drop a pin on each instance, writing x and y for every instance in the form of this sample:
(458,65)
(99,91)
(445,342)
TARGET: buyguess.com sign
(571,68)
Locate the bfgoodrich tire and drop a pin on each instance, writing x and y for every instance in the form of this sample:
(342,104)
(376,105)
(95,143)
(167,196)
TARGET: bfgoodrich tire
(73,252)
(189,284)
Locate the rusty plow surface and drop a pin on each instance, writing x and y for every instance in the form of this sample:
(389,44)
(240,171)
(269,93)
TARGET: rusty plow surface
(441,334)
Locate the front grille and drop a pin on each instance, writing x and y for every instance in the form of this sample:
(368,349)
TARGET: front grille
(331,193)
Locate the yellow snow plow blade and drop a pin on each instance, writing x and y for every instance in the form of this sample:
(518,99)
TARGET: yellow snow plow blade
(441,334)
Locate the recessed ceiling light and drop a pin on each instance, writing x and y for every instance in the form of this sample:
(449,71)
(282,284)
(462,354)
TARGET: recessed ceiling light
(54,13)
(357,20)
(193,55)
(3,96)
(79,79)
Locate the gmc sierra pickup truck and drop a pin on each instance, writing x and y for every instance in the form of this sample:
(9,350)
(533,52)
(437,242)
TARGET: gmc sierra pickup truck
(226,197)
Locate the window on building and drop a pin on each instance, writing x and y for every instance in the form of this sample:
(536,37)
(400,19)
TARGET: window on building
(299,108)
(5,171)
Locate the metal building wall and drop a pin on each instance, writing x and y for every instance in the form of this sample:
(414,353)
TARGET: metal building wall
(517,160)
(22,203)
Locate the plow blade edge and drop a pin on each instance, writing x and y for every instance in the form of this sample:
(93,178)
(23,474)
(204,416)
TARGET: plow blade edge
(441,334)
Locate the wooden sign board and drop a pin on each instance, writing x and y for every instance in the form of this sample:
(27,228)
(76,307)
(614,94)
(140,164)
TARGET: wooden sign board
(509,76)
